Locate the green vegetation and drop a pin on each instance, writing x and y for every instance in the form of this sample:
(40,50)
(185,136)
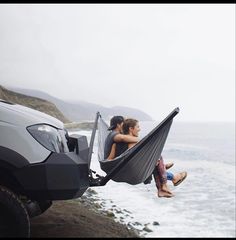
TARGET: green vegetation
(32,102)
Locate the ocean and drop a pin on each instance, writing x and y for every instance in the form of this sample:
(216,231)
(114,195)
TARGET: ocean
(204,203)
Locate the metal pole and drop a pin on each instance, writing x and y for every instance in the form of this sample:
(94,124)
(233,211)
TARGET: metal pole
(92,138)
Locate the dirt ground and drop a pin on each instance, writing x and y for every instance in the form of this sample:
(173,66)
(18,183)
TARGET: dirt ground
(72,219)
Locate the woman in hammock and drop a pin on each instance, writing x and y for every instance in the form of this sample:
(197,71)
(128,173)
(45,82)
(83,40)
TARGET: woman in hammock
(130,127)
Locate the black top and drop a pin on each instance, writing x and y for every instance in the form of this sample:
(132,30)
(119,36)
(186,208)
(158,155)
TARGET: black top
(120,148)
(108,143)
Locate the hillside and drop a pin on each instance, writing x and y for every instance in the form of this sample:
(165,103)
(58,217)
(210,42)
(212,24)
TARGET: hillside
(32,102)
(78,111)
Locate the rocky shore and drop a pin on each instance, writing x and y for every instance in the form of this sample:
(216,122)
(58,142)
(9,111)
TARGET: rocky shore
(82,217)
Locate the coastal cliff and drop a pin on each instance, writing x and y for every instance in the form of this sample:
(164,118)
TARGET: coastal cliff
(33,102)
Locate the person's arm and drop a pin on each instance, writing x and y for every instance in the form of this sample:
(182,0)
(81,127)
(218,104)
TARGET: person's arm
(113,152)
(130,145)
(125,138)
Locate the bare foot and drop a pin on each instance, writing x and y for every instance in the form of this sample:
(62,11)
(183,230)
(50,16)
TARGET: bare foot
(164,194)
(165,188)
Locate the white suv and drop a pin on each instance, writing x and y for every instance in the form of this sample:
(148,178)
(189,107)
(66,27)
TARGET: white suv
(39,163)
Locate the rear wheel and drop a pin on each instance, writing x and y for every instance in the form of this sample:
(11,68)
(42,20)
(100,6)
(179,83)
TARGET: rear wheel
(14,218)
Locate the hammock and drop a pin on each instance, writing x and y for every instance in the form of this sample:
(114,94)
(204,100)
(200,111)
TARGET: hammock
(136,164)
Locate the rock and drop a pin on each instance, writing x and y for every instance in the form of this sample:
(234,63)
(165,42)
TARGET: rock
(91,191)
(110,214)
(146,229)
(137,223)
(155,223)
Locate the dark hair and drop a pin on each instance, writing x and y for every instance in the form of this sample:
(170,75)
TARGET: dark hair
(129,122)
(114,121)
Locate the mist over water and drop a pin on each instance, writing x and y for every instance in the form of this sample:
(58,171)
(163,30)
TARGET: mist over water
(204,204)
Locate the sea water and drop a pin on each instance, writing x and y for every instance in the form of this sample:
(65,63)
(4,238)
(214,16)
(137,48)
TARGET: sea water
(204,203)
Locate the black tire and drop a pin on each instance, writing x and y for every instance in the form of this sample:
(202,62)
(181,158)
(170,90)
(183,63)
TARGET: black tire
(14,218)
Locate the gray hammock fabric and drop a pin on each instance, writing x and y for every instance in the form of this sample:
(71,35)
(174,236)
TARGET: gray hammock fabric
(136,164)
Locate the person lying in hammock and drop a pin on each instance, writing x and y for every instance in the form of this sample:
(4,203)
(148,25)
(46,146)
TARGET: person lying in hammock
(130,127)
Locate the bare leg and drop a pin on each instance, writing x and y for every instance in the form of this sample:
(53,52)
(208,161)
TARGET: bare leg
(162,175)
(161,180)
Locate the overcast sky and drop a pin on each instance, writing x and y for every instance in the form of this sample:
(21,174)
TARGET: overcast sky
(153,57)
